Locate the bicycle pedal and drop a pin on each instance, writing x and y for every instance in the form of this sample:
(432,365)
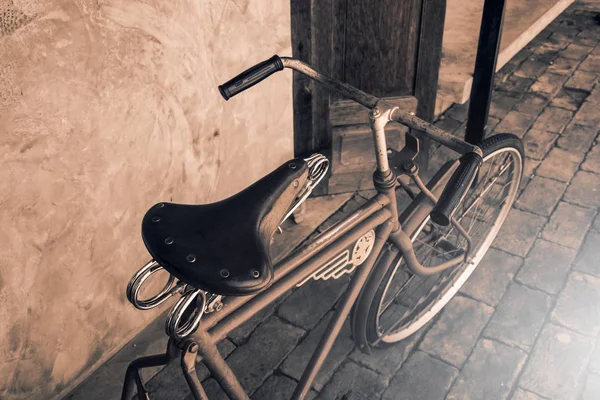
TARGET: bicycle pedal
(352,395)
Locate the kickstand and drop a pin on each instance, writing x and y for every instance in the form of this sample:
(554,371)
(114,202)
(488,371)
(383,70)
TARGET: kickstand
(133,377)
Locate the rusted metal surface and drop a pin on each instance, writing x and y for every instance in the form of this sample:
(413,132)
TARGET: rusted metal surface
(426,130)
(340,88)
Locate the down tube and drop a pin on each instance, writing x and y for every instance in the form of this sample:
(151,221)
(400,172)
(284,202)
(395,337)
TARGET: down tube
(335,325)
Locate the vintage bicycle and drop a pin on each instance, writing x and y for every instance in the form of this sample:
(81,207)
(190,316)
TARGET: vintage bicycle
(405,264)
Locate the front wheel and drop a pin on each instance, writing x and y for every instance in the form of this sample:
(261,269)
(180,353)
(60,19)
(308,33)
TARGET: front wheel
(403,302)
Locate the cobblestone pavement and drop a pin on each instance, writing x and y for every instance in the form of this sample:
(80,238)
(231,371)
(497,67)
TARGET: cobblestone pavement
(526,325)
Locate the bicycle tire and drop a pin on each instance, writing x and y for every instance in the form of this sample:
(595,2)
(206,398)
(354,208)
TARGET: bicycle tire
(368,309)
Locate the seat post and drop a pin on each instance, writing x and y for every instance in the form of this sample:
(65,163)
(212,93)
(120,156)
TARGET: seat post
(217,366)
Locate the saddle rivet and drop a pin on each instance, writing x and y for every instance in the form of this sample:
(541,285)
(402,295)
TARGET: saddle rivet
(292,165)
(169,240)
(255,273)
(296,183)
(191,258)
(224,273)
(161,205)
(155,218)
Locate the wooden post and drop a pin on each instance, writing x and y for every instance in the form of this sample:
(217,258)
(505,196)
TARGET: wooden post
(389,48)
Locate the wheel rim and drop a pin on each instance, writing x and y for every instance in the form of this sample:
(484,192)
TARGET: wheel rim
(409,302)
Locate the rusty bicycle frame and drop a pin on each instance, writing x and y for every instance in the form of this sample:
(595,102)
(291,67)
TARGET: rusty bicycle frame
(380,214)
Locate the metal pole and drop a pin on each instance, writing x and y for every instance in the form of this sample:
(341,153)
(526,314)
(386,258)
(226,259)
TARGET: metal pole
(485,68)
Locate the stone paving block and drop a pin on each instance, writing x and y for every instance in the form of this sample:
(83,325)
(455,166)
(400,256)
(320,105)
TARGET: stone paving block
(448,124)
(560,165)
(588,114)
(489,374)
(570,99)
(506,70)
(352,376)
(584,41)
(577,138)
(594,365)
(439,156)
(454,334)
(514,84)
(531,68)
(568,225)
(584,190)
(546,267)
(240,334)
(519,316)
(421,377)
(307,305)
(538,143)
(458,112)
(563,66)
(212,389)
(386,361)
(519,232)
(578,305)
(588,259)
(531,166)
(531,103)
(556,366)
(551,45)
(553,120)
(278,387)
(541,195)
(267,347)
(591,391)
(596,224)
(354,203)
(548,84)
(460,132)
(225,347)
(564,29)
(169,384)
(492,276)
(582,80)
(591,63)
(592,160)
(491,125)
(515,122)
(521,394)
(575,52)
(588,33)
(295,363)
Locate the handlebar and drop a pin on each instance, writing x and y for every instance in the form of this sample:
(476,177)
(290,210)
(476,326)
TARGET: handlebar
(456,188)
(459,182)
(263,70)
(251,77)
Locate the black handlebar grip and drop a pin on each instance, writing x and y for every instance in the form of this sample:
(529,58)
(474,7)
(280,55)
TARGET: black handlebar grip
(250,77)
(457,187)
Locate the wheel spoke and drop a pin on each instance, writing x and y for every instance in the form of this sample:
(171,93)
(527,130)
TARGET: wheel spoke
(407,297)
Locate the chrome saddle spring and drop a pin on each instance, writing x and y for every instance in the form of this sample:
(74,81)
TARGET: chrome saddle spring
(318,165)
(193,301)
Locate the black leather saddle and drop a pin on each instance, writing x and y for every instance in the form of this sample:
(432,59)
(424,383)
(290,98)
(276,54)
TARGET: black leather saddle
(223,247)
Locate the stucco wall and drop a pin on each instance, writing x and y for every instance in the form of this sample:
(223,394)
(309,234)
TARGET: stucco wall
(107,107)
